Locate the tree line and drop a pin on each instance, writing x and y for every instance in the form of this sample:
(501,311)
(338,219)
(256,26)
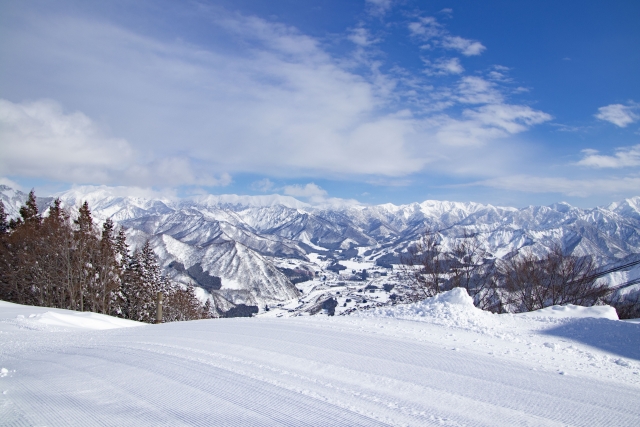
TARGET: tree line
(66,261)
(517,283)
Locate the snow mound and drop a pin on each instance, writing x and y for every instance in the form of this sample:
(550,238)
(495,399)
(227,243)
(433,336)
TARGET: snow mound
(457,296)
(575,311)
(453,308)
(78,320)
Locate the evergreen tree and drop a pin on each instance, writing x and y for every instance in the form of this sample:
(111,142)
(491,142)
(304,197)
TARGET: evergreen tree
(119,305)
(152,280)
(182,304)
(84,220)
(8,265)
(25,264)
(56,213)
(58,243)
(142,283)
(131,278)
(106,268)
(4,225)
(108,230)
(86,249)
(207,310)
(56,262)
(122,249)
(151,270)
(29,212)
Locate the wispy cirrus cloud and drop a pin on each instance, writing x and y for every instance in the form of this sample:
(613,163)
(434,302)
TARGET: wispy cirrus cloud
(489,122)
(429,30)
(476,90)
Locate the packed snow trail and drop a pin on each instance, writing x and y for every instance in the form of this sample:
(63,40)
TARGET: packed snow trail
(308,371)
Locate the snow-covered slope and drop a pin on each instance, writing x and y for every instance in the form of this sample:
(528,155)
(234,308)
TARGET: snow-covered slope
(12,200)
(247,277)
(444,364)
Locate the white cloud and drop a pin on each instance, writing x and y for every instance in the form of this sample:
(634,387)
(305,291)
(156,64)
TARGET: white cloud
(361,37)
(385,182)
(263,185)
(309,191)
(88,192)
(512,118)
(618,114)
(379,7)
(172,171)
(623,157)
(38,139)
(10,183)
(499,74)
(316,195)
(465,46)
(569,187)
(444,66)
(428,29)
(475,90)
(489,122)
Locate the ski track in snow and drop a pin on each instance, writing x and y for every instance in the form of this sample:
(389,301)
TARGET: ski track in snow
(347,371)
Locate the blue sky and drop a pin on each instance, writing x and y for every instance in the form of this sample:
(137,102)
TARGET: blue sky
(502,102)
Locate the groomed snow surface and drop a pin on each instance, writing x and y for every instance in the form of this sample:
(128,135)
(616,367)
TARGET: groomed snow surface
(437,362)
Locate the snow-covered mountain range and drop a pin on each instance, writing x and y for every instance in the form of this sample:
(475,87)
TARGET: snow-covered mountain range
(229,244)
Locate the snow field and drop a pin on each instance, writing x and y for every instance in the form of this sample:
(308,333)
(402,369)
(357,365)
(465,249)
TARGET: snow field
(438,362)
